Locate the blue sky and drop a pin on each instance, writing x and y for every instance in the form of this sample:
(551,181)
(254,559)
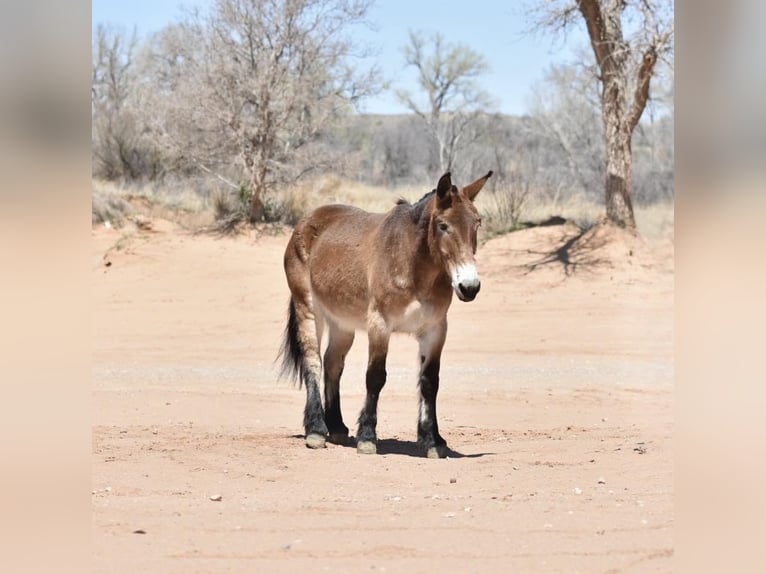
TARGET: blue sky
(494,28)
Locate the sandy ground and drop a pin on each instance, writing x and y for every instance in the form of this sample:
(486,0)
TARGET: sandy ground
(556,400)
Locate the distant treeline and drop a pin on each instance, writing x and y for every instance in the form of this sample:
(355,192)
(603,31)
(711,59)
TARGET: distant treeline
(232,103)
(530,150)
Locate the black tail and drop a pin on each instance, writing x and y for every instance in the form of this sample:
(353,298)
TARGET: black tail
(291,351)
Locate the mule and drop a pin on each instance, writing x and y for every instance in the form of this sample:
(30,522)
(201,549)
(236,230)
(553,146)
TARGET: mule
(348,269)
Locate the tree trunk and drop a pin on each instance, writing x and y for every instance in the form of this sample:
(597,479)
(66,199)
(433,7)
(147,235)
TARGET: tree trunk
(619,155)
(619,180)
(257,209)
(443,163)
(604,25)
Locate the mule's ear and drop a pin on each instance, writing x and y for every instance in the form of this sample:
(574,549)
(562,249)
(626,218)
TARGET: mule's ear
(472,189)
(444,185)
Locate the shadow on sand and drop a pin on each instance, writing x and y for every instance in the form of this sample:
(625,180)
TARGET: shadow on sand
(411,448)
(404,448)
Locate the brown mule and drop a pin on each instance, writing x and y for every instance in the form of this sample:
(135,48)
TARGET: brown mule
(348,269)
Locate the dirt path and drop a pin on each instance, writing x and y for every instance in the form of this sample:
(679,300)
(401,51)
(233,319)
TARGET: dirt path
(556,401)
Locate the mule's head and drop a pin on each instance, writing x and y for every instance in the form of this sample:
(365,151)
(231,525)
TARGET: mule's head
(453,227)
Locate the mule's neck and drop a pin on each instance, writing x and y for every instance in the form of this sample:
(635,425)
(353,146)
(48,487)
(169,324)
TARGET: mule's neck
(430,260)
(424,223)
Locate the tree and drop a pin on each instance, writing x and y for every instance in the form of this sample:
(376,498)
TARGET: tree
(115,144)
(446,74)
(261,79)
(626,65)
(564,112)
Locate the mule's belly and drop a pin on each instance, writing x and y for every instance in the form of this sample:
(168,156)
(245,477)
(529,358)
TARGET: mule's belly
(347,314)
(414,318)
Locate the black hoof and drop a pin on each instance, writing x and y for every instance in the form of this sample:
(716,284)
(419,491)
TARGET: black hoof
(340,438)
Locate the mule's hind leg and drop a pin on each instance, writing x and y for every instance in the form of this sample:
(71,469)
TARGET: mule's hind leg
(308,326)
(366,437)
(313,414)
(303,337)
(334,359)
(431,344)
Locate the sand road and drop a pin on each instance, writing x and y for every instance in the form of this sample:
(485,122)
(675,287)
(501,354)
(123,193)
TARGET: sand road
(556,400)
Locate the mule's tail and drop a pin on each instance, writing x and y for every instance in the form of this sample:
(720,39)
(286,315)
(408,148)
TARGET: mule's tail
(291,351)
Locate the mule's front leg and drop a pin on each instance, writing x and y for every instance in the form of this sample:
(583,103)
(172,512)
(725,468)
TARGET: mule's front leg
(334,359)
(366,437)
(431,344)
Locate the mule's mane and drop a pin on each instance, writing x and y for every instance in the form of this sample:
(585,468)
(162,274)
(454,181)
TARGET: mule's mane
(425,198)
(416,209)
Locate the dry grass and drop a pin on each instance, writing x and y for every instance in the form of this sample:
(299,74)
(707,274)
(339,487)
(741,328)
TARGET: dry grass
(108,206)
(656,221)
(579,210)
(332,189)
(115,203)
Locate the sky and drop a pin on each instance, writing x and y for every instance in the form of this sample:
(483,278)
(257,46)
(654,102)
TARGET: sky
(496,29)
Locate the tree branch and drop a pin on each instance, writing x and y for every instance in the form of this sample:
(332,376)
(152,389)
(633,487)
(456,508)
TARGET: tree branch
(594,20)
(641,95)
(209,171)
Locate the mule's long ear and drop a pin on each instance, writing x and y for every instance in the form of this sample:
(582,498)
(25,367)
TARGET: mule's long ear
(444,185)
(472,189)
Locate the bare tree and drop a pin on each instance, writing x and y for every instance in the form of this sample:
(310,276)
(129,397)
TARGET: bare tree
(511,194)
(261,80)
(564,112)
(519,169)
(112,55)
(447,76)
(114,137)
(626,65)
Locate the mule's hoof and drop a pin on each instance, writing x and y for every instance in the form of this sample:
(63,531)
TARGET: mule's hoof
(366,447)
(437,452)
(338,438)
(316,441)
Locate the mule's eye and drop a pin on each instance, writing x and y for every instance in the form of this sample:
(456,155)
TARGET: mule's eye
(443,226)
